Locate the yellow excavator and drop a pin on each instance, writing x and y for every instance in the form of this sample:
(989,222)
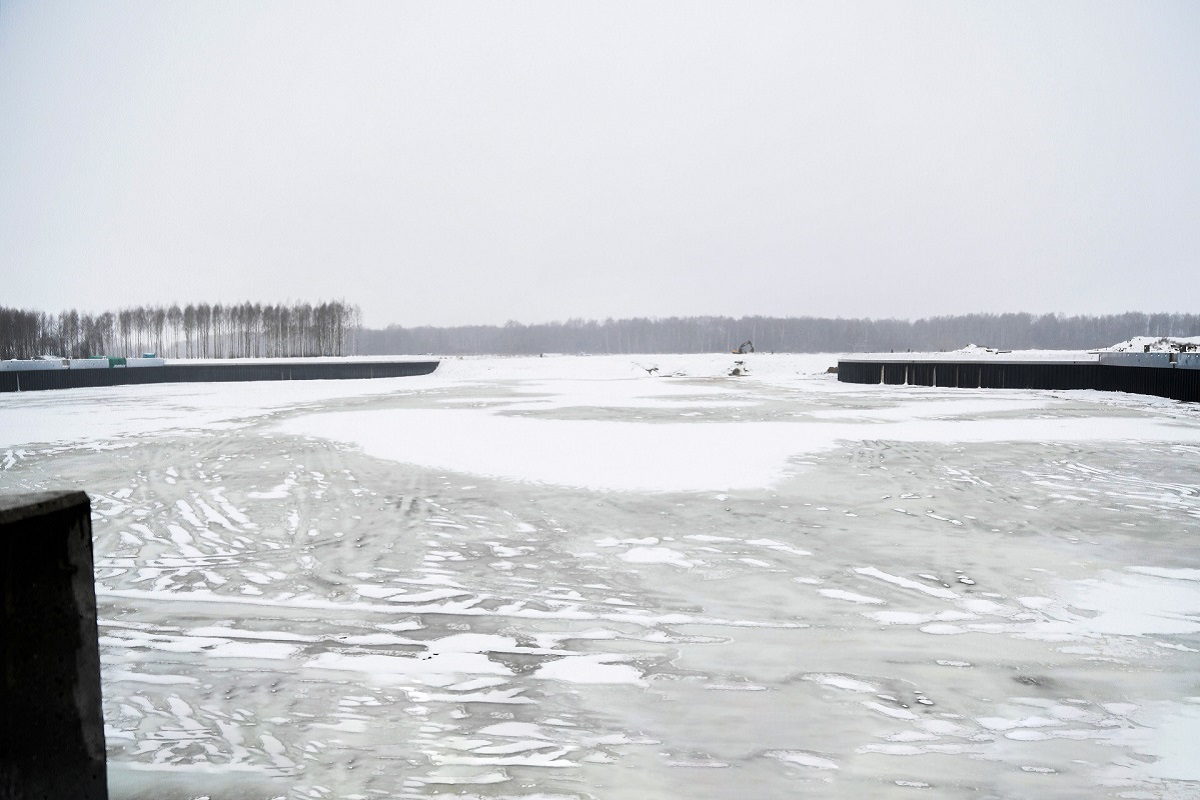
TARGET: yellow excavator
(743,348)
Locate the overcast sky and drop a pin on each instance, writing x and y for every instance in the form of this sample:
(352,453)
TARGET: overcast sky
(451,163)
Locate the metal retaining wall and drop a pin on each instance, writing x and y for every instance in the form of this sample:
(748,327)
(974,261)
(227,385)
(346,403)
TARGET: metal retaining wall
(52,721)
(1178,381)
(37,380)
(1177,384)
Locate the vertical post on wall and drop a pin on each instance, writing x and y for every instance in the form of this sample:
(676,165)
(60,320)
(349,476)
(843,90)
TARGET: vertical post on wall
(52,740)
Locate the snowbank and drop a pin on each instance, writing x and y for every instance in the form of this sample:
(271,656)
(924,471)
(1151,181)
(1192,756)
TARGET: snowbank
(1161,344)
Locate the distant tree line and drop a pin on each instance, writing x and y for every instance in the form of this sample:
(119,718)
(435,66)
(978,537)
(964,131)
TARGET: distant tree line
(1017,331)
(192,331)
(334,328)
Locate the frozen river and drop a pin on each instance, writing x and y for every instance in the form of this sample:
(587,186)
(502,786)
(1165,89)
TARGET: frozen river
(634,577)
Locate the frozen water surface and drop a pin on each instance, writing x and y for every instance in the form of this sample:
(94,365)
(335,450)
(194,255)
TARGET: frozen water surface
(634,577)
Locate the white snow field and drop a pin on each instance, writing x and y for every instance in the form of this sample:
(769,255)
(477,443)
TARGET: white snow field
(634,577)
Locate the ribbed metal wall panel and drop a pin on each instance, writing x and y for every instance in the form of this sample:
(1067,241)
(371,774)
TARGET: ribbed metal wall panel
(895,373)
(859,372)
(37,380)
(1177,384)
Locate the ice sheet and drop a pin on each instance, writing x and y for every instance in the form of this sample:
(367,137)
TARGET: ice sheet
(971,591)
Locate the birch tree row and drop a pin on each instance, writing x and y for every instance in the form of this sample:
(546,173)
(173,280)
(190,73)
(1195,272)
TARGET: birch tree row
(245,330)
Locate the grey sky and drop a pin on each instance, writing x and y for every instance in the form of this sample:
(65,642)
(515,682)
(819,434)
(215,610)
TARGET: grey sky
(447,163)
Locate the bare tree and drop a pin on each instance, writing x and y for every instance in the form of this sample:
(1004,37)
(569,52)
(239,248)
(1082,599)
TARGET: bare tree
(125,324)
(141,325)
(189,330)
(204,328)
(106,327)
(175,319)
(218,326)
(158,321)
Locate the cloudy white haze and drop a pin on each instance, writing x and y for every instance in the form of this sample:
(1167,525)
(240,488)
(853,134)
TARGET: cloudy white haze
(449,163)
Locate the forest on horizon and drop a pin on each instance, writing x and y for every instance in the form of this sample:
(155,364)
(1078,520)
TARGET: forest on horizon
(1017,331)
(334,329)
